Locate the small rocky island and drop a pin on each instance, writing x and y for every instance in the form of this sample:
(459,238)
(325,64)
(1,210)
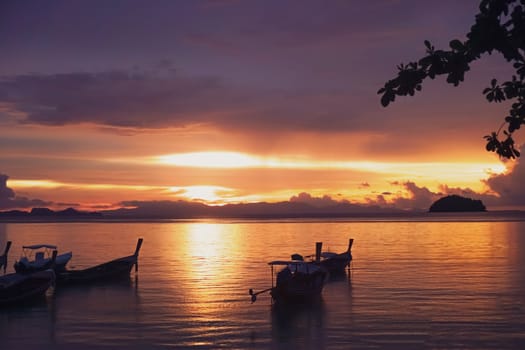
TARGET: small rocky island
(455,203)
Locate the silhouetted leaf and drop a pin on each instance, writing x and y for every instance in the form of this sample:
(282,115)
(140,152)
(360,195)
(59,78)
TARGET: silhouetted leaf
(387,98)
(456,45)
(499,27)
(499,96)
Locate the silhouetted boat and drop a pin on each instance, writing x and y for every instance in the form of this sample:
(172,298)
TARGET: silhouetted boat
(298,282)
(111,270)
(15,287)
(336,263)
(3,257)
(38,258)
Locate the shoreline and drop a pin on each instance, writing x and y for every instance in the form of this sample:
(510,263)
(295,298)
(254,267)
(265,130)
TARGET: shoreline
(497,215)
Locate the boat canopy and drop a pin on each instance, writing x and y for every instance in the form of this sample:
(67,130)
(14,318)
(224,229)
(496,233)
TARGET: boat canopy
(40,246)
(288,262)
(297,266)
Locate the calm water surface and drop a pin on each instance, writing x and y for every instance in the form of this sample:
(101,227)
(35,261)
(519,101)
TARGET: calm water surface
(444,284)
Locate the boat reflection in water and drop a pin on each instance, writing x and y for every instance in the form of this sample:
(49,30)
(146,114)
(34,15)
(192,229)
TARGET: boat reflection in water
(299,325)
(17,288)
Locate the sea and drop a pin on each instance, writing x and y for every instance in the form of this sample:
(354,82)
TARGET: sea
(425,282)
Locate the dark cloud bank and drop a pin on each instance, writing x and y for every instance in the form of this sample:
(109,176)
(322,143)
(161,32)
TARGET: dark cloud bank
(159,98)
(8,199)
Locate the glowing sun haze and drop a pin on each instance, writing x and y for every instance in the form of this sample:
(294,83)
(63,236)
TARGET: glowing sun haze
(232,101)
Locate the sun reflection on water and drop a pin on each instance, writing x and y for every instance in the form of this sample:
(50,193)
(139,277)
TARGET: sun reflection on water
(210,269)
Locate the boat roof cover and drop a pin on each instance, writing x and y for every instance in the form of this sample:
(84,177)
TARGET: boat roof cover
(297,265)
(39,246)
(288,262)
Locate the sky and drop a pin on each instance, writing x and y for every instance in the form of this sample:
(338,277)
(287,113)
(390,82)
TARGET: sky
(104,103)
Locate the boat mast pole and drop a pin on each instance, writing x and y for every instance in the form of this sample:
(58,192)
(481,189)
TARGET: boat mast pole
(272,276)
(318,248)
(3,258)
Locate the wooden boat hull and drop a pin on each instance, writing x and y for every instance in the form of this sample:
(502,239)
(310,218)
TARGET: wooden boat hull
(337,263)
(116,269)
(111,270)
(299,288)
(16,288)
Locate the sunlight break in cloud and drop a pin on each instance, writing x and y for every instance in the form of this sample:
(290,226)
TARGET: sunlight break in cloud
(9,200)
(208,194)
(55,184)
(438,170)
(210,160)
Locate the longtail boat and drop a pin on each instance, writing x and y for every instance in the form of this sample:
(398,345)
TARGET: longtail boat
(111,270)
(336,263)
(298,282)
(16,287)
(37,257)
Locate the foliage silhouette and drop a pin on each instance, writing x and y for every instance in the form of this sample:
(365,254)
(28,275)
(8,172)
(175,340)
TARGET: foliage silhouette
(499,26)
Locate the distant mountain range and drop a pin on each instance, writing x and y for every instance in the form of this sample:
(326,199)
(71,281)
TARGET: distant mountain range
(144,210)
(192,210)
(182,209)
(48,213)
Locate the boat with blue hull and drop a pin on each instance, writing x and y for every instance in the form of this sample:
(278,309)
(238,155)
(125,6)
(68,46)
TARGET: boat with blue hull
(37,257)
(17,288)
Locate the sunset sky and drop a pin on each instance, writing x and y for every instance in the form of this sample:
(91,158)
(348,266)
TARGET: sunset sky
(107,102)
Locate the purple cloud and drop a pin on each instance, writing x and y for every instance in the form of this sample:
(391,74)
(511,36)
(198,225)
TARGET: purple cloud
(420,198)
(318,202)
(509,186)
(156,99)
(8,199)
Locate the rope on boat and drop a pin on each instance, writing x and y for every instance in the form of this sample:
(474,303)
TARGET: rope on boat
(254,295)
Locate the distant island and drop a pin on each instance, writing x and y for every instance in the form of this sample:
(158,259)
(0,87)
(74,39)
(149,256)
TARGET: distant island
(455,203)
